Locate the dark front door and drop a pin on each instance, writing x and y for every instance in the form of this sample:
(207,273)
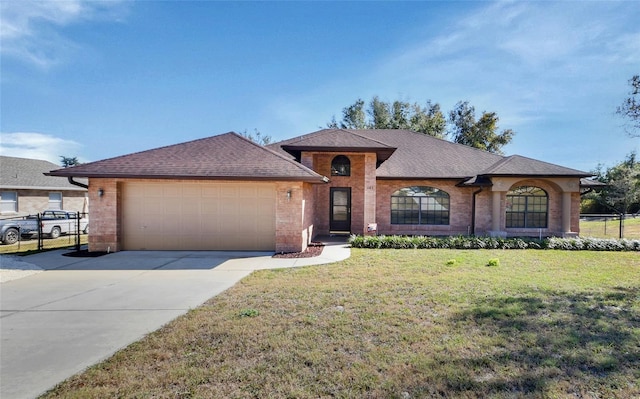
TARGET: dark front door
(340,218)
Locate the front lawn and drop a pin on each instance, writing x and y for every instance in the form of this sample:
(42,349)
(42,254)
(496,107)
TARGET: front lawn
(610,228)
(399,324)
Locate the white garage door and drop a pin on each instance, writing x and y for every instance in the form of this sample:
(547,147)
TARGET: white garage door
(198,216)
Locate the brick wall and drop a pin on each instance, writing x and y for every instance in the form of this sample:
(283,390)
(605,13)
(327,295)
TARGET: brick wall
(31,202)
(294,216)
(104,217)
(483,211)
(554,221)
(459,212)
(575,212)
(362,182)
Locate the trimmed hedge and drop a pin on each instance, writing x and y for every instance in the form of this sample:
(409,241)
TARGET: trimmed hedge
(471,242)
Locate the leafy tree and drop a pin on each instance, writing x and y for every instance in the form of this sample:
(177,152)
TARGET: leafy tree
(481,133)
(353,117)
(622,192)
(257,137)
(68,161)
(393,115)
(630,108)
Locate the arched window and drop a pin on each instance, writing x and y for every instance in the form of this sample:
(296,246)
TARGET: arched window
(340,166)
(419,205)
(527,207)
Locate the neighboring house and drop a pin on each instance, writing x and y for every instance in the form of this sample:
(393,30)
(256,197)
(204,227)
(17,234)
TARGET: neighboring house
(226,192)
(25,190)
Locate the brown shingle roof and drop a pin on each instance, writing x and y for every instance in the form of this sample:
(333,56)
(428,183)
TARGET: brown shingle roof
(335,140)
(226,156)
(516,165)
(419,156)
(422,156)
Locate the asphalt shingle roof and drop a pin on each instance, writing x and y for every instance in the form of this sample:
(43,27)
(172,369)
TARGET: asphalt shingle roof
(25,173)
(421,156)
(226,156)
(335,140)
(518,165)
(406,155)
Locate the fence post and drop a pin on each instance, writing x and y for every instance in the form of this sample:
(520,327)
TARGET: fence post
(40,237)
(78,232)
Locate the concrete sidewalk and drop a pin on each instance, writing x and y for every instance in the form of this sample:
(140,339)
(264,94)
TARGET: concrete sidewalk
(80,311)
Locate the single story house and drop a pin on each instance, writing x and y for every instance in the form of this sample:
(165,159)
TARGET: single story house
(25,190)
(227,192)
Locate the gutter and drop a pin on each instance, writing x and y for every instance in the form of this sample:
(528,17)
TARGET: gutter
(75,183)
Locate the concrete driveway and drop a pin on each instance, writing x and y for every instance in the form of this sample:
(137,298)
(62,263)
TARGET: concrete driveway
(81,310)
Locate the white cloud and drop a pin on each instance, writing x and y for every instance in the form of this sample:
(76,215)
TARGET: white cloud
(516,58)
(37,146)
(28,28)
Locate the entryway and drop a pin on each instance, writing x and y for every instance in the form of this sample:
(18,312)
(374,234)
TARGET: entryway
(340,210)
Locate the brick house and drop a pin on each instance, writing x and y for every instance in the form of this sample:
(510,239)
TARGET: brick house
(25,190)
(226,192)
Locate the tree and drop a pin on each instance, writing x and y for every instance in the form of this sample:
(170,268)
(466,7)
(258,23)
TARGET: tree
(481,133)
(622,191)
(68,161)
(630,108)
(393,115)
(257,137)
(353,117)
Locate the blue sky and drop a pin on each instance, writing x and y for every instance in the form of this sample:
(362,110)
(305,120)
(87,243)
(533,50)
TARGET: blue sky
(105,78)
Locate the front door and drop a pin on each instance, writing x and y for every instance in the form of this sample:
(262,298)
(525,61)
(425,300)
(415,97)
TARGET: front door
(340,218)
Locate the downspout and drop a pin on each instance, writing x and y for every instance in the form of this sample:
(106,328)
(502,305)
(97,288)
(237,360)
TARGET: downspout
(75,183)
(473,211)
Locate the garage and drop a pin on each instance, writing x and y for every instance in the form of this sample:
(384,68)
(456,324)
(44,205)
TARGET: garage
(171,215)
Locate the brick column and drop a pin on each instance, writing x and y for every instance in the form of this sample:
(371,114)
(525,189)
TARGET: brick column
(566,212)
(496,216)
(369,192)
(495,211)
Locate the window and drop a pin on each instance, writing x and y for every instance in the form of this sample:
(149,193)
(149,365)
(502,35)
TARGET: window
(527,207)
(340,166)
(8,202)
(419,205)
(55,201)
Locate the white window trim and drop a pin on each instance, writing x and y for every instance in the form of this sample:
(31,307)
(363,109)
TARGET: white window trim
(13,201)
(58,203)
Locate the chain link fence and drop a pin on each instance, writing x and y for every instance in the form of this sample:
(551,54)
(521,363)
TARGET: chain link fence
(49,230)
(610,226)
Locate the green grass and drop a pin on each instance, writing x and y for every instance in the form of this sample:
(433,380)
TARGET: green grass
(610,228)
(24,247)
(399,324)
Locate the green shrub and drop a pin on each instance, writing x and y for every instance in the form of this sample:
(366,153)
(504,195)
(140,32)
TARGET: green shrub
(472,242)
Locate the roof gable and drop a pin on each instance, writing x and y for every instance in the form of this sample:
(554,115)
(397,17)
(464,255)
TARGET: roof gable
(335,140)
(26,173)
(226,156)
